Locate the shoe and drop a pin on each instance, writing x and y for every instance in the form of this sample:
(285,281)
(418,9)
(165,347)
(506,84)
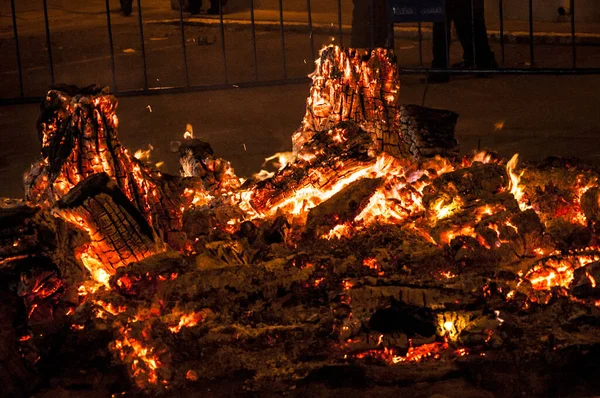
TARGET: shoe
(212,11)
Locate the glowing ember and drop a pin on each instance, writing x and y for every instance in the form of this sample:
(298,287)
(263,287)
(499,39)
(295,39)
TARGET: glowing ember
(552,273)
(414,354)
(373,264)
(187,320)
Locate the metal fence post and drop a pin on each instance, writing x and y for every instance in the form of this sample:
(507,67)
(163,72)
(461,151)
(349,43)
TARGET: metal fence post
(473,34)
(183,44)
(284,63)
(420,34)
(112,48)
(48,43)
(501,14)
(310,30)
(340,25)
(573,38)
(141,24)
(18,48)
(222,25)
(253,40)
(531,45)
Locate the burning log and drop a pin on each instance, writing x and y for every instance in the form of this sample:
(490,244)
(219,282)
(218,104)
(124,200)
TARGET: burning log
(343,207)
(119,233)
(328,157)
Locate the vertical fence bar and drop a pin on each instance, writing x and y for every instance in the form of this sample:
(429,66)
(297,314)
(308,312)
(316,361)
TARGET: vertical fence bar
(223,41)
(420,44)
(447,33)
(112,47)
(252,24)
(183,44)
(49,43)
(310,30)
(573,43)
(501,14)
(284,63)
(340,26)
(372,22)
(141,23)
(16,34)
(531,45)
(473,34)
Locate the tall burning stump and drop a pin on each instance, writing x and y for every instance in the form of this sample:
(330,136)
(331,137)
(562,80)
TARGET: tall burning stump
(78,133)
(364,87)
(352,84)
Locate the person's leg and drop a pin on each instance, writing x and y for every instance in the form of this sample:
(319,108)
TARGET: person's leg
(472,33)
(464,30)
(214,7)
(441,44)
(441,50)
(484,56)
(194,6)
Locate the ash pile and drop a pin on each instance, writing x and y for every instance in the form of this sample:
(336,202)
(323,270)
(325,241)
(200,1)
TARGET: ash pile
(374,261)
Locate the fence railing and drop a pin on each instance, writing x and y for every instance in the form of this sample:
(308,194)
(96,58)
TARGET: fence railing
(341,31)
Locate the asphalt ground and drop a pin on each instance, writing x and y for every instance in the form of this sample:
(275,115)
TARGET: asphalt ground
(536,116)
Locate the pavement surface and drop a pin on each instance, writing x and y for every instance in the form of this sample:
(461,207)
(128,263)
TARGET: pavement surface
(536,116)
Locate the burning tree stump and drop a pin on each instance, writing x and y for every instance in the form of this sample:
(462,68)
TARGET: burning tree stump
(78,133)
(352,84)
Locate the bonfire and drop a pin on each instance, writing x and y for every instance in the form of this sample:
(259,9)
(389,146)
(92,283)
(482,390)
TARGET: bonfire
(374,256)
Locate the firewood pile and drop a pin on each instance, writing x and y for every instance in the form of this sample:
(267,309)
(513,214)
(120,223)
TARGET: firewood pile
(373,261)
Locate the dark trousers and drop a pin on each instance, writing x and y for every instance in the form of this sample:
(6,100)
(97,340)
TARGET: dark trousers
(371,27)
(472,36)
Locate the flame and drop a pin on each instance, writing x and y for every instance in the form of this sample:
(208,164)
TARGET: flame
(144,156)
(515,180)
(443,210)
(96,268)
(591,279)
(338,232)
(189,132)
(188,321)
(283,159)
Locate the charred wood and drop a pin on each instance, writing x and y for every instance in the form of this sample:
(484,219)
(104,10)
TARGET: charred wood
(118,231)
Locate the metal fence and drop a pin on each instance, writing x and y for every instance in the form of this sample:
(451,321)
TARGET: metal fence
(340,32)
